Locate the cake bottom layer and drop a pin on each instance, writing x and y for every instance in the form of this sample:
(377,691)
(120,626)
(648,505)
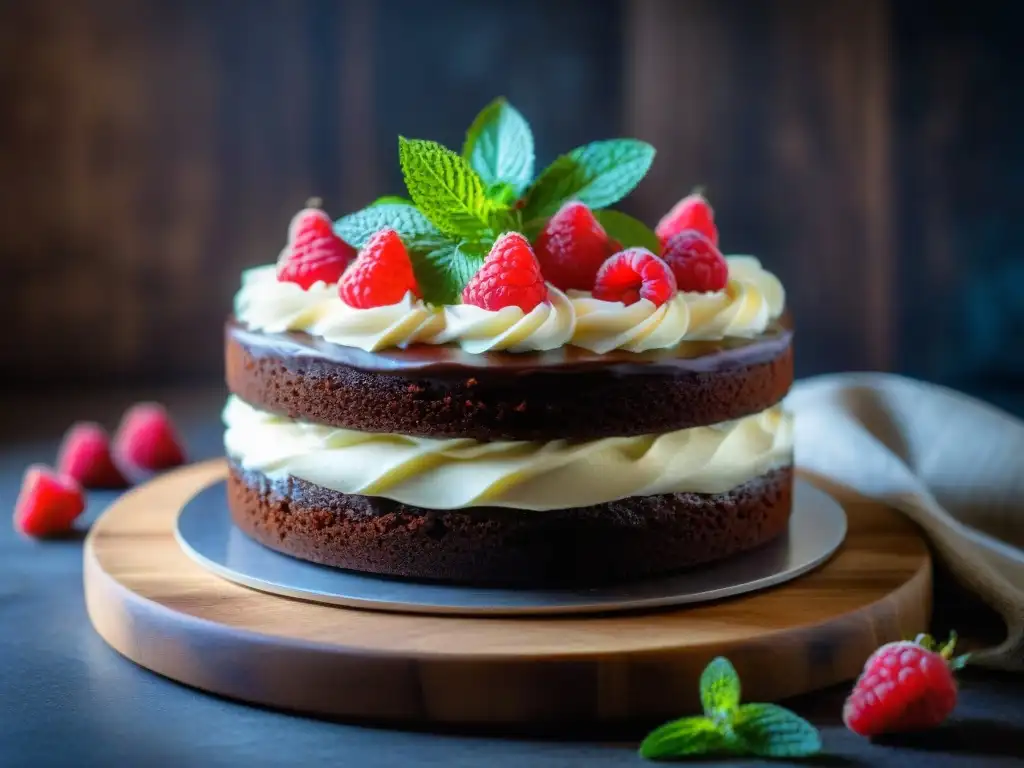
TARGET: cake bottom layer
(618,541)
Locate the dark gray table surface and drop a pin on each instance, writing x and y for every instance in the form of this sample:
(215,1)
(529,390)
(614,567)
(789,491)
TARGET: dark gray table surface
(66,699)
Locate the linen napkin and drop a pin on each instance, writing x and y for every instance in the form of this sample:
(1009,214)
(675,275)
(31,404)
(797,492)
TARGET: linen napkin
(952,464)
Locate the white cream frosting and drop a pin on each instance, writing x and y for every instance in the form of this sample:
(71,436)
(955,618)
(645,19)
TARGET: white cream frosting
(457,473)
(751,300)
(549,325)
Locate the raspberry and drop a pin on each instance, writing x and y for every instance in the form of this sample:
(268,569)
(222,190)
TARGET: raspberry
(509,277)
(695,261)
(146,441)
(314,253)
(85,456)
(381,275)
(48,502)
(572,247)
(635,274)
(905,686)
(692,212)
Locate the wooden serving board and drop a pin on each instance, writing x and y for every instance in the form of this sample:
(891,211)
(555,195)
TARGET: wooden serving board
(159,608)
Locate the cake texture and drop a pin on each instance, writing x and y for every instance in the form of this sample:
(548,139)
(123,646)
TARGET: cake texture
(604,543)
(498,382)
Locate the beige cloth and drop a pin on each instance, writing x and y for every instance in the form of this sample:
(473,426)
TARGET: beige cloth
(952,464)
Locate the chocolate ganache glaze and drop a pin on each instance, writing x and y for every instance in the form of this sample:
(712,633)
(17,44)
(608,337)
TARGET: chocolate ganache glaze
(566,393)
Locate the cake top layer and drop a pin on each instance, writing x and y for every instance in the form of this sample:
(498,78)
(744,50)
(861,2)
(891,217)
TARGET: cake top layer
(489,258)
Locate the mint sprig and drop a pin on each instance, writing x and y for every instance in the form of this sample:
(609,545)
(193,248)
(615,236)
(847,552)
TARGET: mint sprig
(411,225)
(630,232)
(599,174)
(461,203)
(730,728)
(445,188)
(499,147)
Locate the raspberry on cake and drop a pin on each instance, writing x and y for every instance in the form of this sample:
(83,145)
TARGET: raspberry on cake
(632,275)
(692,212)
(509,277)
(314,253)
(696,262)
(461,405)
(381,275)
(572,247)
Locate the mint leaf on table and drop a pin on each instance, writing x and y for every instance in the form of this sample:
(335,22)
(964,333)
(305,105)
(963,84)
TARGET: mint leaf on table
(499,147)
(630,232)
(688,736)
(410,224)
(599,174)
(443,272)
(730,728)
(445,188)
(768,730)
(719,689)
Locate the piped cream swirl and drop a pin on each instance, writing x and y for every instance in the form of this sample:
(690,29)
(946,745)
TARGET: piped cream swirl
(752,299)
(549,325)
(457,473)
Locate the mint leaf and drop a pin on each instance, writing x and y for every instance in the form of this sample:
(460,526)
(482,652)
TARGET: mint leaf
(768,730)
(599,174)
(443,272)
(719,688)
(630,232)
(502,193)
(443,186)
(504,220)
(411,225)
(688,736)
(391,200)
(499,146)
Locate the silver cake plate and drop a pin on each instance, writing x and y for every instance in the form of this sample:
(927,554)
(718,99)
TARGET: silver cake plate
(205,532)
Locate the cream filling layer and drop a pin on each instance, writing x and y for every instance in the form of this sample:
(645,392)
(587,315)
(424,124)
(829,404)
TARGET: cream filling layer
(458,473)
(751,300)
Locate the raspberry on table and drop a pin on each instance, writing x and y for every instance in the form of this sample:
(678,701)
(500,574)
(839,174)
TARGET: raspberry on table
(905,686)
(572,247)
(692,212)
(509,277)
(381,275)
(147,441)
(314,253)
(635,274)
(85,456)
(696,262)
(48,503)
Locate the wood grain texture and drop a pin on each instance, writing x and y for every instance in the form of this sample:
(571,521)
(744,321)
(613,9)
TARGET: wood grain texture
(160,609)
(782,113)
(866,150)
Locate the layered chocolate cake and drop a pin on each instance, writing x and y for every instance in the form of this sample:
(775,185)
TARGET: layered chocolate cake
(501,381)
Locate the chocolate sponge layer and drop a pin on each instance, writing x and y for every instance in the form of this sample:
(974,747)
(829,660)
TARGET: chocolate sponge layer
(621,540)
(566,394)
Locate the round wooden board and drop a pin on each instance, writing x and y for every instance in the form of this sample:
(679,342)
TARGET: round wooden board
(160,609)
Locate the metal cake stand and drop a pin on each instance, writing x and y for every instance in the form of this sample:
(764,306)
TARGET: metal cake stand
(205,532)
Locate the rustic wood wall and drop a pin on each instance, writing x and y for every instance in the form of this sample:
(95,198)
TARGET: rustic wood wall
(868,150)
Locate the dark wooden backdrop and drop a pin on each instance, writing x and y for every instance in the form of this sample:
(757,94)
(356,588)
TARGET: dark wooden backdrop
(869,151)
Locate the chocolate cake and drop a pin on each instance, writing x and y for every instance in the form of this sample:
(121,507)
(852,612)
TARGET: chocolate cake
(500,381)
